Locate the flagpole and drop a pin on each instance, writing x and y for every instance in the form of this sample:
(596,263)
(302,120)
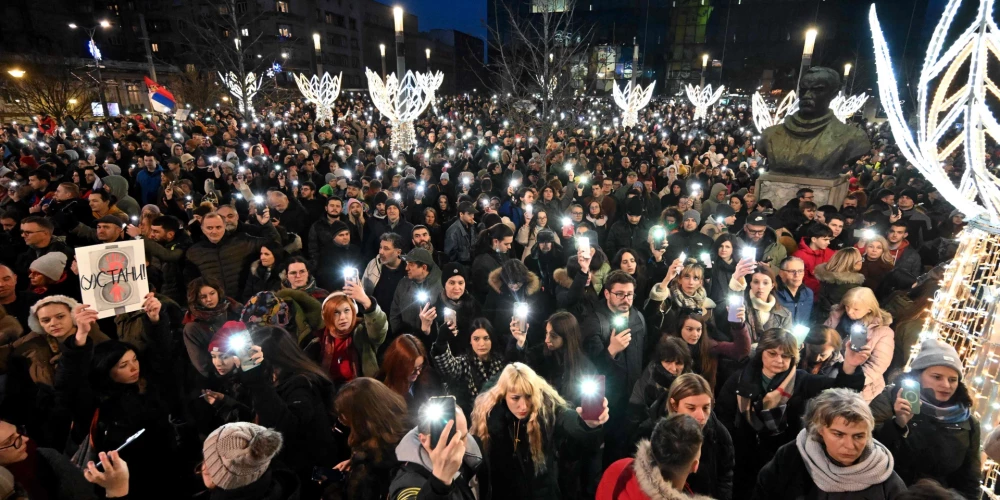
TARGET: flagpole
(149,53)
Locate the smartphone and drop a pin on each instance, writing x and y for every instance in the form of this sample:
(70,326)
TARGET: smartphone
(240,345)
(441,410)
(449,315)
(911,393)
(521,315)
(126,443)
(735,303)
(859,337)
(583,244)
(324,474)
(592,397)
(351,276)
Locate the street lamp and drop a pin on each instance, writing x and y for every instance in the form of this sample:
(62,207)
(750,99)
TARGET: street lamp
(16,72)
(96,53)
(319,53)
(704,65)
(428,53)
(381,49)
(397,15)
(847,70)
(807,54)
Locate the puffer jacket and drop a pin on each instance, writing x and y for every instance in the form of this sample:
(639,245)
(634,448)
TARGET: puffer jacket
(640,479)
(881,340)
(624,234)
(573,292)
(834,286)
(499,306)
(228,260)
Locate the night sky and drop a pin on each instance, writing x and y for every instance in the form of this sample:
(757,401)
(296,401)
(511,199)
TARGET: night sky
(468,16)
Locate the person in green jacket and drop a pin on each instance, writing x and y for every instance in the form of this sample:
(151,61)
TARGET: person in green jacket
(354,328)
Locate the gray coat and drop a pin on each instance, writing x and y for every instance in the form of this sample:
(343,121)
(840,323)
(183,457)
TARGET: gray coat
(404,313)
(458,242)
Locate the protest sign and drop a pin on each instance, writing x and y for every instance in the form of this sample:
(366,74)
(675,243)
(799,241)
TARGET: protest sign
(113,277)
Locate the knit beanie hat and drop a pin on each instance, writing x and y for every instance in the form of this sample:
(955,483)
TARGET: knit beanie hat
(266,309)
(692,214)
(934,352)
(633,206)
(453,269)
(51,265)
(33,323)
(238,454)
(329,177)
(338,227)
(380,197)
(545,236)
(220,341)
(113,169)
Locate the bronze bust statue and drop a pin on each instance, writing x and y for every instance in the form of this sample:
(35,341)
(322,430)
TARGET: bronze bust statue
(813,142)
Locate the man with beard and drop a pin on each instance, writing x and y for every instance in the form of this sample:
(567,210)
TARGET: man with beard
(393,222)
(421,238)
(291,214)
(384,272)
(335,258)
(422,277)
(764,241)
(165,247)
(234,225)
(545,258)
(321,232)
(313,204)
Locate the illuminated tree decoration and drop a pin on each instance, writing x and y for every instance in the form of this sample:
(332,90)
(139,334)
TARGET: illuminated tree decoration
(964,312)
(762,116)
(702,98)
(402,101)
(322,92)
(844,107)
(430,82)
(251,84)
(549,89)
(631,100)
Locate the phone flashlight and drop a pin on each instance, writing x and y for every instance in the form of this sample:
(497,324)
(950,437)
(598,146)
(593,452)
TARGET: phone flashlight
(514,183)
(589,387)
(868,234)
(706,258)
(683,257)
(422,296)
(695,187)
(188,197)
(135,218)
(397,197)
(659,233)
(566,221)
(238,342)
(800,332)
(242,170)
(735,300)
(749,253)
(857,328)
(529,208)
(465,180)
(521,310)
(258,199)
(295,183)
(620,321)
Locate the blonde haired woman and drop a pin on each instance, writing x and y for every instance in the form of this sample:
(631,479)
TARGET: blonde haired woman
(859,312)
(838,275)
(520,421)
(877,262)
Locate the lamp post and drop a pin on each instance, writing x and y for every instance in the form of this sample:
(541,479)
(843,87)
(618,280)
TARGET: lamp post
(807,54)
(427,51)
(847,72)
(16,72)
(704,65)
(96,53)
(397,15)
(319,53)
(381,49)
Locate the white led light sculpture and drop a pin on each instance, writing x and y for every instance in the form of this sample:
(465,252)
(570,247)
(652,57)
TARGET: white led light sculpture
(322,92)
(954,97)
(631,100)
(702,98)
(250,83)
(762,116)
(844,107)
(402,101)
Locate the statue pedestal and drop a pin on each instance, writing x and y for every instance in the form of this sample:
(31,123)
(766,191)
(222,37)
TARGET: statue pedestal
(779,188)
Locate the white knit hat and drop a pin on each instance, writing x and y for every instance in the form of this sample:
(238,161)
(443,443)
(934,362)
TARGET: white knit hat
(239,453)
(33,323)
(52,265)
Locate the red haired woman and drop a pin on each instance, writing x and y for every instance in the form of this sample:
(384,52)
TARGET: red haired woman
(354,327)
(406,370)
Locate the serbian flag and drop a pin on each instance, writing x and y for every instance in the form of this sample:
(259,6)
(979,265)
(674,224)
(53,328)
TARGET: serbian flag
(161,98)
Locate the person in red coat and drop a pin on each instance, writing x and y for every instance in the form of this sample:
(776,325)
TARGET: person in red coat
(814,250)
(661,465)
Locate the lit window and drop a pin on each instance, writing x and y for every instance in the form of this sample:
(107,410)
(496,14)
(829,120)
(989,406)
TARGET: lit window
(282,6)
(246,31)
(156,47)
(284,30)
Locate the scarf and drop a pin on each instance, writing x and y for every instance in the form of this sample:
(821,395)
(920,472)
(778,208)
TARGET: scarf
(339,357)
(944,413)
(768,413)
(482,371)
(684,301)
(208,315)
(874,466)
(762,310)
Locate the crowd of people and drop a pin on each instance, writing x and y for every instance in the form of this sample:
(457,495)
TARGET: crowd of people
(318,303)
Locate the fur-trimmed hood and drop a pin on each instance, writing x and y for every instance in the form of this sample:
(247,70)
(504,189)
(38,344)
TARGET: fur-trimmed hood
(838,278)
(562,278)
(497,283)
(647,474)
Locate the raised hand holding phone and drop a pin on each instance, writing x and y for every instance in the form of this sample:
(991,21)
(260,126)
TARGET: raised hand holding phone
(85,316)
(515,330)
(619,341)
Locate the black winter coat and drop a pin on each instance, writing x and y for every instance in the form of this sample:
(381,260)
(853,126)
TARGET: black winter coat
(275,484)
(954,447)
(512,469)
(260,279)
(624,234)
(754,449)
(228,260)
(718,459)
(786,476)
(295,406)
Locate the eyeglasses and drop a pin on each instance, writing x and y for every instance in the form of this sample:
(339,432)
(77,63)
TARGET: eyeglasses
(794,271)
(417,370)
(623,295)
(23,232)
(18,440)
(577,213)
(753,232)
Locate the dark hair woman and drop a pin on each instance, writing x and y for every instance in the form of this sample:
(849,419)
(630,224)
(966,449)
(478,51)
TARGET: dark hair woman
(208,309)
(762,405)
(560,360)
(725,256)
(706,351)
(265,272)
(467,373)
(820,353)
(377,417)
(631,262)
(291,394)
(671,358)
(112,396)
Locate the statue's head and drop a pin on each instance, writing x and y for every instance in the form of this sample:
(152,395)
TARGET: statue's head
(816,89)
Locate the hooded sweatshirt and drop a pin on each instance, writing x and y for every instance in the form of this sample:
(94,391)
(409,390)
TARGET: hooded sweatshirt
(118,186)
